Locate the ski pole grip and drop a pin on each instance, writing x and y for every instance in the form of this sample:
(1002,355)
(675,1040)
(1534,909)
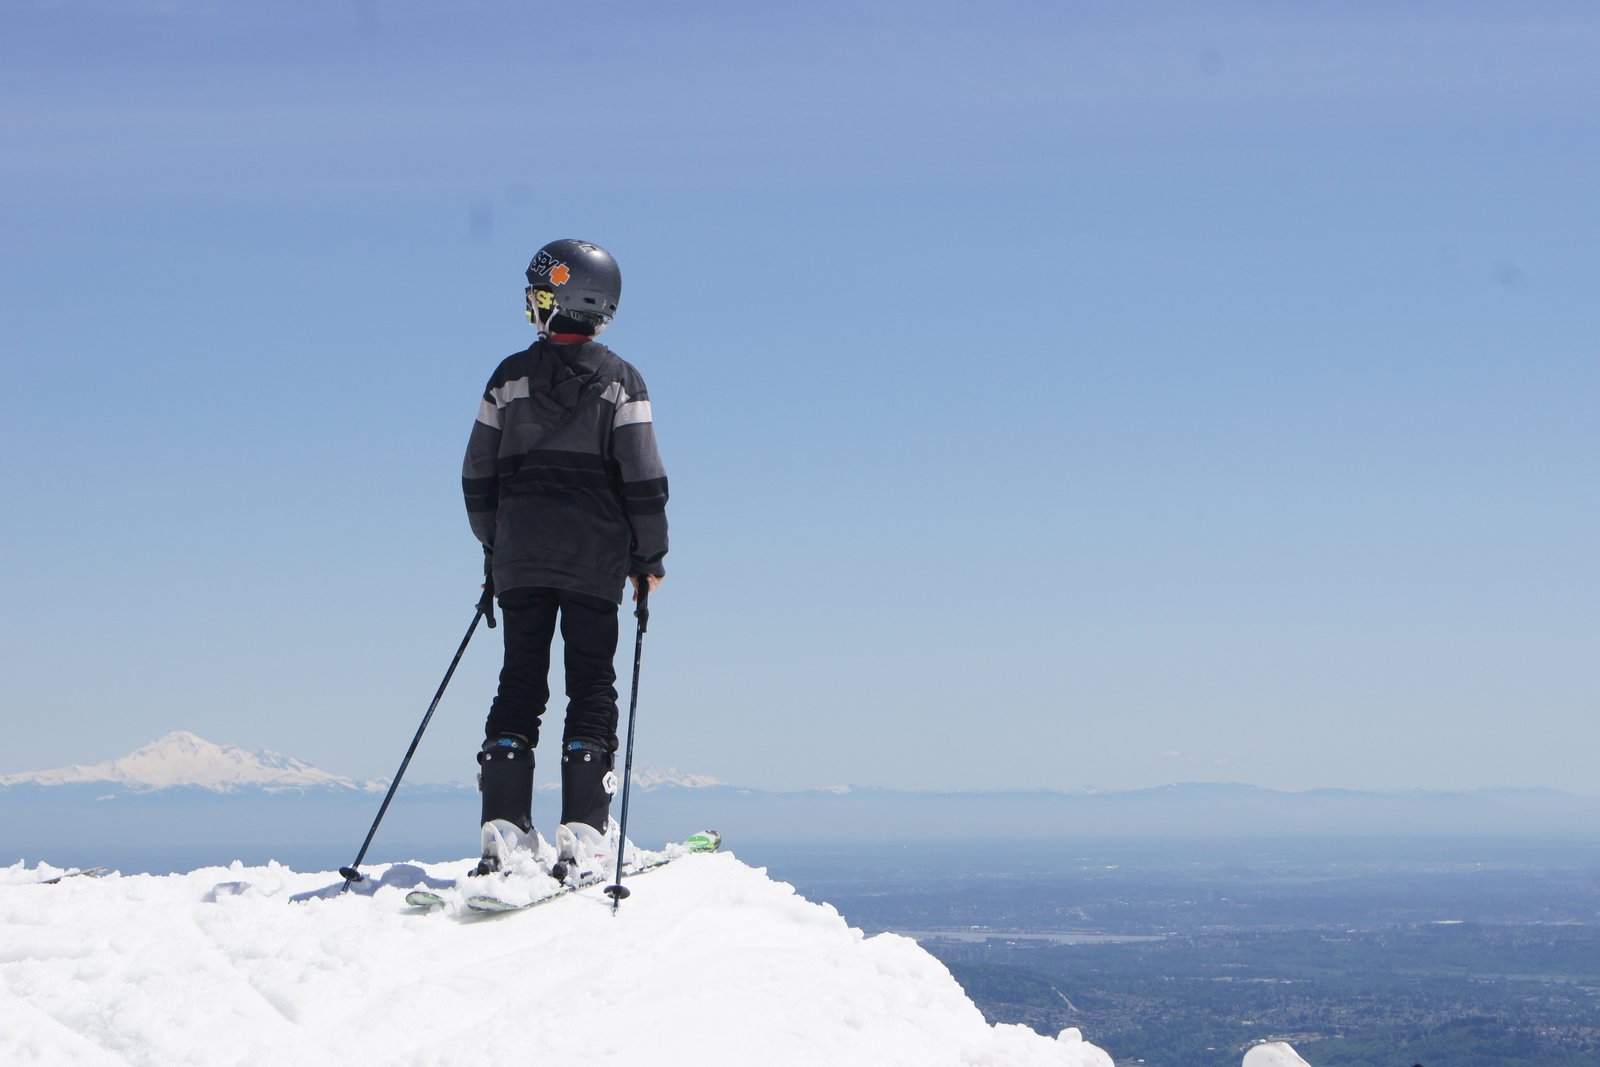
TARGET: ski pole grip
(642,612)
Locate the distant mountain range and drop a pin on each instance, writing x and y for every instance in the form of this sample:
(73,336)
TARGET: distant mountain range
(184,760)
(182,801)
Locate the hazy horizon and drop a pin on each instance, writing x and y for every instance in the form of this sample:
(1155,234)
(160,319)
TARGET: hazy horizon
(653,774)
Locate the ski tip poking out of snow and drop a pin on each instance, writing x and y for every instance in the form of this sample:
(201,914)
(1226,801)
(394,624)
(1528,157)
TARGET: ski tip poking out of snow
(704,841)
(117,963)
(88,872)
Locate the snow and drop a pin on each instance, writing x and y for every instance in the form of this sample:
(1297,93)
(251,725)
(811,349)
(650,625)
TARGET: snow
(183,759)
(708,962)
(1273,1054)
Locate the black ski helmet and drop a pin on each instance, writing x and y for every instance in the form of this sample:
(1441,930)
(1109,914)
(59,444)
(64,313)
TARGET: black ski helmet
(583,279)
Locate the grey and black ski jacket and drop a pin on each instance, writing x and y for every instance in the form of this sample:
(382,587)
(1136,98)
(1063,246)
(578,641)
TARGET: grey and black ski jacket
(562,477)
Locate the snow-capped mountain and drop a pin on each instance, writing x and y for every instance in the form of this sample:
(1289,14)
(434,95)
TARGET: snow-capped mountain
(671,777)
(183,759)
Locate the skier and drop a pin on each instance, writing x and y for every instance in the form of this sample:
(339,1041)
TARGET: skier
(566,491)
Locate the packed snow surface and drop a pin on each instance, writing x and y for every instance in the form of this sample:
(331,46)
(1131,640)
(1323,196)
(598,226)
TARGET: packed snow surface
(708,962)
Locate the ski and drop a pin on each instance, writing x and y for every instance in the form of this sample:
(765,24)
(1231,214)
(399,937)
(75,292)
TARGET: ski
(484,903)
(91,872)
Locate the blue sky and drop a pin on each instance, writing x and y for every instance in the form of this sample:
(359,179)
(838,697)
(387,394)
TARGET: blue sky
(1053,394)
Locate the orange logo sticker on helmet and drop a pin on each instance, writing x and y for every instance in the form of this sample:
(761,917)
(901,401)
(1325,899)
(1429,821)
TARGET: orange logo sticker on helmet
(545,265)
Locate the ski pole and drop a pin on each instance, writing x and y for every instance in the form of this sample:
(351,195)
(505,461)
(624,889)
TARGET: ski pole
(352,873)
(617,890)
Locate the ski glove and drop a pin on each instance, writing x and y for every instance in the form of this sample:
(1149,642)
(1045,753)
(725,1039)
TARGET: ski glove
(486,601)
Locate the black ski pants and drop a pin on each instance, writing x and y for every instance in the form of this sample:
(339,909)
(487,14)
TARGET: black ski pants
(589,631)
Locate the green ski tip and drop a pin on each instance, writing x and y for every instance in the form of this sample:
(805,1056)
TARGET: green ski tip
(704,841)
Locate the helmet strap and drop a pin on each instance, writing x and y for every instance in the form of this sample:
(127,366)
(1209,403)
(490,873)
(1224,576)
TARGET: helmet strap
(542,307)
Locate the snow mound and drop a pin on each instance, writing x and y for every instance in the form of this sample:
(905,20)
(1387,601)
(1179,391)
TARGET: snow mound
(708,962)
(1273,1054)
(183,759)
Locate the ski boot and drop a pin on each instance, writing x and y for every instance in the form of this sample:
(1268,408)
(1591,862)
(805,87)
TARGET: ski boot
(586,839)
(506,782)
(585,854)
